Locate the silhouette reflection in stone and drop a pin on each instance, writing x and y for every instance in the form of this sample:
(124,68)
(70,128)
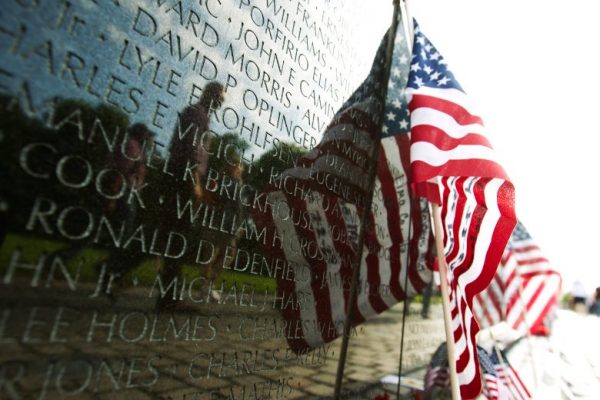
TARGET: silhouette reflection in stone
(129,165)
(205,158)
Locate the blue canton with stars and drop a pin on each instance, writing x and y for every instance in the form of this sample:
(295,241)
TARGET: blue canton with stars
(487,361)
(396,117)
(520,233)
(440,357)
(427,68)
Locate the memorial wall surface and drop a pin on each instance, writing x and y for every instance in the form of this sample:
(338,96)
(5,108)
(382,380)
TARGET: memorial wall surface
(182,191)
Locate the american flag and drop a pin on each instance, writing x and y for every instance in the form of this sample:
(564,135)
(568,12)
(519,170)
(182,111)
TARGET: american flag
(436,375)
(402,221)
(493,388)
(453,164)
(525,289)
(508,377)
(498,378)
(334,181)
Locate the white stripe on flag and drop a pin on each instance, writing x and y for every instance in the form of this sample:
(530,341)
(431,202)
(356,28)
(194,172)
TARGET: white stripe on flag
(430,154)
(287,231)
(314,206)
(445,122)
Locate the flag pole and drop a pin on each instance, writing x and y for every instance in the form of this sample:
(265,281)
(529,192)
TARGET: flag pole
(408,34)
(371,188)
(504,369)
(408,23)
(443,271)
(406,304)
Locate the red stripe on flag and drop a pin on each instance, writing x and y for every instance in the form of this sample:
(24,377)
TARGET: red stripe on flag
(456,111)
(393,222)
(485,168)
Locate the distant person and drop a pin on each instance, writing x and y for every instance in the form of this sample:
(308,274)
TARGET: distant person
(595,305)
(578,297)
(427,293)
(3,219)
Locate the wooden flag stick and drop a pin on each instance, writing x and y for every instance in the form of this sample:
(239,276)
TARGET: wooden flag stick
(437,224)
(504,369)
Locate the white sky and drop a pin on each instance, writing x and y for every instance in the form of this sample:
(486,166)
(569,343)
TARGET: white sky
(533,69)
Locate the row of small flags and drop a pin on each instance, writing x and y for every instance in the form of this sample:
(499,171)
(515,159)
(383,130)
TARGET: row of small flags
(525,290)
(500,380)
(431,148)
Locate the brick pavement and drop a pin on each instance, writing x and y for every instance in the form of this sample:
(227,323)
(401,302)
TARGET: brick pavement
(375,353)
(48,350)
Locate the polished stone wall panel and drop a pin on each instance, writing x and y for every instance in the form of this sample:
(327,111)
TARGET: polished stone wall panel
(182,188)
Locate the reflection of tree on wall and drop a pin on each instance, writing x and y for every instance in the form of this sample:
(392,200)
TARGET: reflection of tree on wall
(60,161)
(279,159)
(84,158)
(16,130)
(87,159)
(90,139)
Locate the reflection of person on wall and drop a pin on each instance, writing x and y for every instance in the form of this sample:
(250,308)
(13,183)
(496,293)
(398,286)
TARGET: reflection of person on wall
(130,162)
(189,146)
(193,146)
